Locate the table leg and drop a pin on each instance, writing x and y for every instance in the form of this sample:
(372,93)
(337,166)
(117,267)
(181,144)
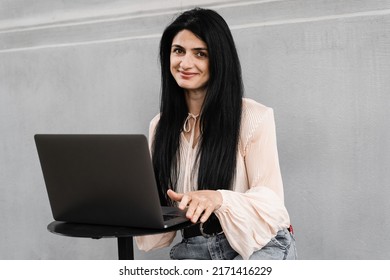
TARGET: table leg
(125,248)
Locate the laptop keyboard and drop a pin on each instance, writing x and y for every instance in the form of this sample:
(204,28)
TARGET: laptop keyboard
(169,217)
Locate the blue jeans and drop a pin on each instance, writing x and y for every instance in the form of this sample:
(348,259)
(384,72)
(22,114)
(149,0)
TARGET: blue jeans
(281,247)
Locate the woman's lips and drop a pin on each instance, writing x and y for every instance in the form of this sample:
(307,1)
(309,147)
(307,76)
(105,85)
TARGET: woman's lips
(187,75)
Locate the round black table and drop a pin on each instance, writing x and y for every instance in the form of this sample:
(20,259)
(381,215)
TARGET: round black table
(123,234)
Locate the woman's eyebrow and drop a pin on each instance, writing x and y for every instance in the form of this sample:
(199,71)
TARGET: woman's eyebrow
(199,49)
(194,49)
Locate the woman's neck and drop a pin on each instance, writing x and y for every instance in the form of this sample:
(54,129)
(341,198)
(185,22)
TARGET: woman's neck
(195,99)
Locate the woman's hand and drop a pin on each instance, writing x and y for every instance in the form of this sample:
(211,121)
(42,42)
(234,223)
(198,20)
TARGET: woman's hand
(200,203)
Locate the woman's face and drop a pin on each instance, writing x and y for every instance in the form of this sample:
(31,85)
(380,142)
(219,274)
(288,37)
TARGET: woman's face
(189,61)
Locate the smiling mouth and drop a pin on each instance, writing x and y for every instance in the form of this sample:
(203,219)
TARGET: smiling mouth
(187,75)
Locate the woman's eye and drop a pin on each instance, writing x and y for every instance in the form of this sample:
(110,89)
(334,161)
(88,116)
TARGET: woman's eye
(201,54)
(178,51)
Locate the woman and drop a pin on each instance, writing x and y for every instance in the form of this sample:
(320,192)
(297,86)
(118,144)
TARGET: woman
(214,153)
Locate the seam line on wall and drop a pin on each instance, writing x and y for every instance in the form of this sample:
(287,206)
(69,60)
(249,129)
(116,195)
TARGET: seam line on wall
(313,19)
(114,18)
(233,27)
(151,36)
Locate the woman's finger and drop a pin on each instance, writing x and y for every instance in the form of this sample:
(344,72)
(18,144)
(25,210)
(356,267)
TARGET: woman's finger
(174,195)
(185,200)
(192,206)
(206,214)
(198,212)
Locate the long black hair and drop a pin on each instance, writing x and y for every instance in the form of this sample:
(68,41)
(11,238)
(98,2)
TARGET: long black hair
(220,114)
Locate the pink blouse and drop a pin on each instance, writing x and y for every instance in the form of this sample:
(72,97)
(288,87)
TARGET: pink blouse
(253,212)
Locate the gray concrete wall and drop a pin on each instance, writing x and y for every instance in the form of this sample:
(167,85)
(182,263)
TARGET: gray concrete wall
(92,67)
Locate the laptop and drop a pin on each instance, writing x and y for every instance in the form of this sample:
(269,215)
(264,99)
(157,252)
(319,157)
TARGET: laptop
(103,179)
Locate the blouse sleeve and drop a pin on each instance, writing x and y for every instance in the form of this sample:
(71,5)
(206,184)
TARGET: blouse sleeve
(252,218)
(156,241)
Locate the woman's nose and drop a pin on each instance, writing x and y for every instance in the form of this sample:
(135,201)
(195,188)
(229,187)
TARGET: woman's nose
(186,62)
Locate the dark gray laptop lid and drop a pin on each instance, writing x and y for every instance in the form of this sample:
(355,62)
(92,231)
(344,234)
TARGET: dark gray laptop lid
(100,179)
